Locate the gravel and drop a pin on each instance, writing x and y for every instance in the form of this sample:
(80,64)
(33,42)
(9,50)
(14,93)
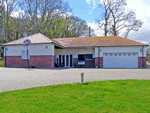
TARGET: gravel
(19,78)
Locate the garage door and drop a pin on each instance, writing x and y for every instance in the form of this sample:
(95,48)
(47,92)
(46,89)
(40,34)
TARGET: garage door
(120,60)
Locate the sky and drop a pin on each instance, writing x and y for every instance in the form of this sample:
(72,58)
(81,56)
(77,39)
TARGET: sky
(90,11)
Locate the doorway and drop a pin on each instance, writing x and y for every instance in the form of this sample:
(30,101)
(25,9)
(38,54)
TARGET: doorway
(67,61)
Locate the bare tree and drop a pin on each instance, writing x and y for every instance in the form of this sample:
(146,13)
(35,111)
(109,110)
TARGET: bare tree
(104,22)
(117,20)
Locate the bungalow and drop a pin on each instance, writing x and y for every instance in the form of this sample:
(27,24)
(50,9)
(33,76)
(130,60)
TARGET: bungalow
(99,52)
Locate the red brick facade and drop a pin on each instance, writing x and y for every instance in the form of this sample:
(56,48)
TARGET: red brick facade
(100,61)
(48,61)
(96,61)
(140,62)
(37,61)
(89,63)
(75,62)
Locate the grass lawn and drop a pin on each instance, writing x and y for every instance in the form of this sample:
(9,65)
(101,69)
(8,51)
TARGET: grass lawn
(102,96)
(1,62)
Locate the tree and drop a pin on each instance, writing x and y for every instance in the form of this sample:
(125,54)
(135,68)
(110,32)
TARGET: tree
(103,24)
(117,21)
(52,18)
(2,14)
(10,5)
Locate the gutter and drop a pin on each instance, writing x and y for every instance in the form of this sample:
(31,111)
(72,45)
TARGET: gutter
(98,58)
(142,57)
(5,55)
(100,46)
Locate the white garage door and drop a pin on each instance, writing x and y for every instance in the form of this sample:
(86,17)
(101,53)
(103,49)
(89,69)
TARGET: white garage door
(120,60)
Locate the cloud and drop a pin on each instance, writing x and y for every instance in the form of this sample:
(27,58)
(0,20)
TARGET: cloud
(17,13)
(96,28)
(141,8)
(92,5)
(88,1)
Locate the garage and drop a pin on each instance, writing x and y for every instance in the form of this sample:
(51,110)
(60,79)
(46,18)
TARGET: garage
(120,60)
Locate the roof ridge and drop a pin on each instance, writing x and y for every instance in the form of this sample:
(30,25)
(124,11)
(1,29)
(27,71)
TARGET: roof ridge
(20,38)
(46,36)
(86,37)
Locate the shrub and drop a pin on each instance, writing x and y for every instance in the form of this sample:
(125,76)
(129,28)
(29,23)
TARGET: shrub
(1,64)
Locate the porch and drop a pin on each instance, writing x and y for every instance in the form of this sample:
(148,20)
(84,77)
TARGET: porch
(74,57)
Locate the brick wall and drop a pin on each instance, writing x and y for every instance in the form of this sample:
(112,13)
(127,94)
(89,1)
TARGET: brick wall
(15,61)
(75,61)
(96,61)
(140,62)
(89,63)
(100,61)
(37,61)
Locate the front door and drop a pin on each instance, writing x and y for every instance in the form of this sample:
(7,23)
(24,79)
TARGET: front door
(63,60)
(59,60)
(70,60)
(67,61)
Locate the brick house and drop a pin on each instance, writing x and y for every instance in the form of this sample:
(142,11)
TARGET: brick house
(102,52)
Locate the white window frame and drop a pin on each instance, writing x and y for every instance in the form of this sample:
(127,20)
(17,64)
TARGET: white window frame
(25,54)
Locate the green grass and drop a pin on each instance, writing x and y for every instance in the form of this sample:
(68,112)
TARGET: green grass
(1,62)
(117,96)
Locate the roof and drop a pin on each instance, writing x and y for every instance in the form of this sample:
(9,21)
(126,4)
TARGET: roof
(97,41)
(78,41)
(35,39)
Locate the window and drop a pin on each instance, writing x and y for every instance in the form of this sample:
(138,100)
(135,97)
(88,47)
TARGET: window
(115,54)
(88,56)
(111,54)
(134,54)
(24,54)
(129,54)
(124,54)
(119,54)
(106,54)
(81,58)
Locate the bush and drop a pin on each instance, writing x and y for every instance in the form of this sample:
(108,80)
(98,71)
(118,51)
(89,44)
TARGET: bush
(1,59)
(1,64)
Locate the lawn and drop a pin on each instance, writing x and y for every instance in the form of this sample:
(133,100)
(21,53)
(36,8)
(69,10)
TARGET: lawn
(1,62)
(115,96)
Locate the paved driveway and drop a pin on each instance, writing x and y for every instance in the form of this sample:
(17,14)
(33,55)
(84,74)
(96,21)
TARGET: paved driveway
(14,78)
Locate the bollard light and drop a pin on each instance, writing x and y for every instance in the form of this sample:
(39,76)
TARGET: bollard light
(82,75)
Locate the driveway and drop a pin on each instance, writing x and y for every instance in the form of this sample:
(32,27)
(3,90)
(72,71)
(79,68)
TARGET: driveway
(17,78)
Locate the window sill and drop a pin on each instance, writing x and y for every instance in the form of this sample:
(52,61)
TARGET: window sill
(89,59)
(24,58)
